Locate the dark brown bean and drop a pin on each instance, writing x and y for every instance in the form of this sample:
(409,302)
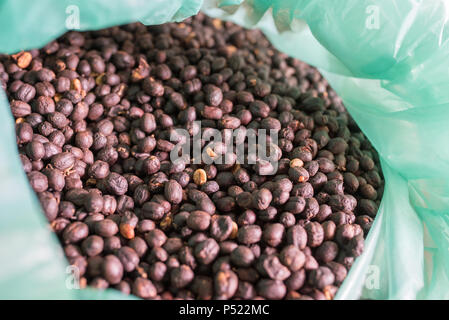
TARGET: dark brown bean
(106,228)
(249,234)
(173,191)
(75,232)
(271,289)
(128,257)
(20,109)
(93,245)
(225,284)
(181,277)
(292,257)
(155,238)
(206,251)
(144,288)
(38,181)
(242,256)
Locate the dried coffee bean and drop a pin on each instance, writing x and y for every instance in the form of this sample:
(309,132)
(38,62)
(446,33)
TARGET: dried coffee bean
(144,288)
(271,289)
(93,245)
(270,266)
(315,234)
(155,238)
(93,202)
(181,276)
(321,277)
(242,256)
(327,251)
(273,234)
(49,204)
(203,287)
(38,181)
(356,245)
(63,161)
(206,251)
(35,150)
(292,257)
(106,228)
(20,109)
(221,228)
(329,228)
(261,199)
(296,280)
(295,205)
(75,232)
(249,234)
(173,191)
(198,220)
(225,284)
(153,210)
(338,270)
(297,236)
(311,209)
(128,257)
(116,184)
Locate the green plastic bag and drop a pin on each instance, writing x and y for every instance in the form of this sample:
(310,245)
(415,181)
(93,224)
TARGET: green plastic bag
(386,59)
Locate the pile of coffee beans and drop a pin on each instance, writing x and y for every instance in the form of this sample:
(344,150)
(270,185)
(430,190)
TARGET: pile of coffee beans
(95,113)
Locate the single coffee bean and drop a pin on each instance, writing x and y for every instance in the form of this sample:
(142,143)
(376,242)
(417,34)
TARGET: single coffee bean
(225,284)
(262,199)
(249,234)
(153,210)
(49,205)
(198,220)
(116,184)
(173,191)
(221,228)
(128,257)
(327,251)
(144,288)
(273,234)
(297,236)
(295,205)
(35,150)
(271,289)
(292,257)
(315,234)
(180,277)
(75,232)
(206,251)
(93,202)
(63,161)
(321,277)
(242,256)
(38,181)
(20,109)
(93,245)
(155,238)
(296,280)
(106,228)
(270,266)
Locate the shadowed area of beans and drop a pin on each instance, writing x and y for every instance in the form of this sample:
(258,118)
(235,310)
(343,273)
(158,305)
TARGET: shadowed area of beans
(95,116)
